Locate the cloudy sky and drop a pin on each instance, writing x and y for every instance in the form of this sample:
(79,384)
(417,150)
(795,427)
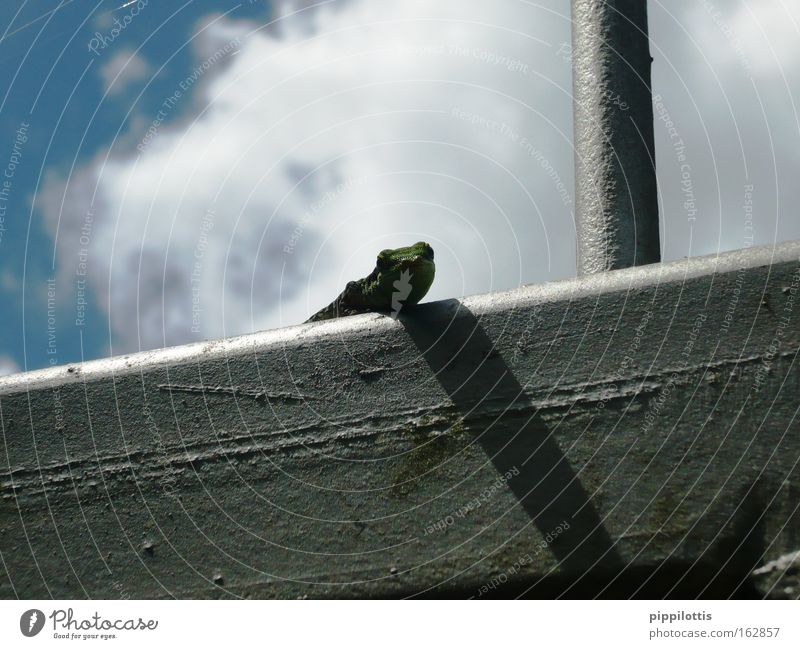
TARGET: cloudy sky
(181,171)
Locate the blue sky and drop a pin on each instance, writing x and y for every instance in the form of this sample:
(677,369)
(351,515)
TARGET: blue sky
(52,82)
(216,168)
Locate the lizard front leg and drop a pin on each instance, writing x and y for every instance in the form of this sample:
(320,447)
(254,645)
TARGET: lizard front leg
(349,302)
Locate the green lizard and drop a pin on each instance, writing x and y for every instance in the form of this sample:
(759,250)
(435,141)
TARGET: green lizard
(401,277)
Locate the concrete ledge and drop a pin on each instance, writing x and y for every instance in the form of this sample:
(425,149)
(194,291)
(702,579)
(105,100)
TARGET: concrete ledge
(626,434)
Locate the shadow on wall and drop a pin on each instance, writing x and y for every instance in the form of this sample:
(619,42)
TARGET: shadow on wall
(473,373)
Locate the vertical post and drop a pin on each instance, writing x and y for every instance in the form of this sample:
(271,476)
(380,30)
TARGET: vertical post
(616,200)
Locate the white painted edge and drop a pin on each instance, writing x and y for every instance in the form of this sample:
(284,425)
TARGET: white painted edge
(563,290)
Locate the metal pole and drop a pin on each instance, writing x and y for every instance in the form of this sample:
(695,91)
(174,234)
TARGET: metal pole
(616,201)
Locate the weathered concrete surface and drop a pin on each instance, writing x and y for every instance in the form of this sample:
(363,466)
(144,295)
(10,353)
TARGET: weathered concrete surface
(632,433)
(616,200)
(779,578)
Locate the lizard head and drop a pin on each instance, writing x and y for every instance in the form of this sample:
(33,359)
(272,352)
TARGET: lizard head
(404,274)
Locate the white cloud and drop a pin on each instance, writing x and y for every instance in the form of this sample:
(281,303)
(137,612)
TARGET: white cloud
(123,68)
(401,106)
(769,30)
(9,281)
(8,365)
(363,99)
(734,106)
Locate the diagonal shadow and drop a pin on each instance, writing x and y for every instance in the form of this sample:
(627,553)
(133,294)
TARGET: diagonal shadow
(462,357)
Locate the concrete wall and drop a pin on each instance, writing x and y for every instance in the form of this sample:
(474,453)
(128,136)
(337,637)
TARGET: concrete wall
(630,433)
